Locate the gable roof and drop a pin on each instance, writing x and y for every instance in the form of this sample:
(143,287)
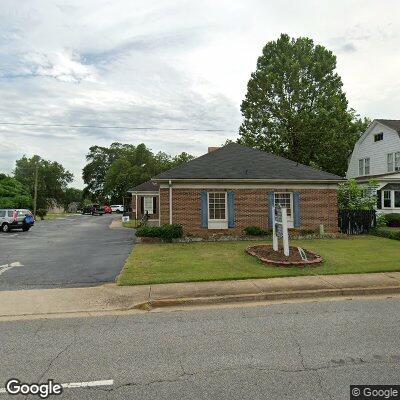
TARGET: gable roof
(235,161)
(148,186)
(391,123)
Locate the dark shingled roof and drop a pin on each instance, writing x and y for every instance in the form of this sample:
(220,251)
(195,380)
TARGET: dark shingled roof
(148,186)
(391,123)
(235,161)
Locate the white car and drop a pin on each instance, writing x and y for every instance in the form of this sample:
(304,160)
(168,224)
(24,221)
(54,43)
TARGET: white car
(118,208)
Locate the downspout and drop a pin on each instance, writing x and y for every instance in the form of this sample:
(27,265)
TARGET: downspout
(170,202)
(136,207)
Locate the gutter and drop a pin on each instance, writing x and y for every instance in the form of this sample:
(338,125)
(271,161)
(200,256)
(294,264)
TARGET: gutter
(221,180)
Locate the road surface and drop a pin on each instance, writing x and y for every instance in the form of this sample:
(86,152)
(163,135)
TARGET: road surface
(309,351)
(72,252)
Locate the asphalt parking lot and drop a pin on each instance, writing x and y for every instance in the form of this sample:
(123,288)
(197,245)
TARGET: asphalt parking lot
(72,252)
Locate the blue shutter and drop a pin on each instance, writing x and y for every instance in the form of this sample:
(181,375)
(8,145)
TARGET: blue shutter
(204,210)
(271,200)
(231,209)
(296,209)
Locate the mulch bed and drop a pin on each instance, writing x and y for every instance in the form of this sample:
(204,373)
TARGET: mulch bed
(267,255)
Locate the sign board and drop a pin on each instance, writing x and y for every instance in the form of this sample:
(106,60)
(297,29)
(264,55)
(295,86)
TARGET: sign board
(278,222)
(125,218)
(280,229)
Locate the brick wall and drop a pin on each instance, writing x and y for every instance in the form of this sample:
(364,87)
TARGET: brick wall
(317,206)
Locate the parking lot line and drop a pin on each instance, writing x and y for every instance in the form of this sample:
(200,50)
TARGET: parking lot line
(6,267)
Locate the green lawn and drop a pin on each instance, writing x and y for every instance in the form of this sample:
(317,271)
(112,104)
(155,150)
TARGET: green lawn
(208,261)
(132,224)
(58,215)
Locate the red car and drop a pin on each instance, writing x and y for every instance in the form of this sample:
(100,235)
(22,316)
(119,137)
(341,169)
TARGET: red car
(107,210)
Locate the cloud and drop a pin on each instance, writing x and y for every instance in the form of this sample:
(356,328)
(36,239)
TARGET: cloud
(175,64)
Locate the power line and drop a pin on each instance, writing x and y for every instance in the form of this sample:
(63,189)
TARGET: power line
(136,128)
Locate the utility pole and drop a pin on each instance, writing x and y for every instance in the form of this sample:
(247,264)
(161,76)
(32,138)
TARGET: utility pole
(35,188)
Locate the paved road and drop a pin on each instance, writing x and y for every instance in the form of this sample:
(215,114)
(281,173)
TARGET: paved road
(77,251)
(310,351)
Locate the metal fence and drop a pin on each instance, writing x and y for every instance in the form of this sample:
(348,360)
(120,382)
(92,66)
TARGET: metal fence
(356,222)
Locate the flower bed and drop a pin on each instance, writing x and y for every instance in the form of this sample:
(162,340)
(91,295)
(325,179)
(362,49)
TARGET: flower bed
(267,255)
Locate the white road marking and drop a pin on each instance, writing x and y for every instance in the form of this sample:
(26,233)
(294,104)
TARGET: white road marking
(75,385)
(6,267)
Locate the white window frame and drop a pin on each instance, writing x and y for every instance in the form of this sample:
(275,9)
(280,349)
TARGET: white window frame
(146,207)
(217,223)
(390,162)
(394,164)
(376,135)
(391,199)
(363,164)
(394,199)
(290,218)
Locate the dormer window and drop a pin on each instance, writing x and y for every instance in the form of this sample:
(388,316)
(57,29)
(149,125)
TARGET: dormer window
(378,137)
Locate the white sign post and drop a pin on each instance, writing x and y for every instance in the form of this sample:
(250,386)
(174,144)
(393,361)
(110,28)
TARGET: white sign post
(280,229)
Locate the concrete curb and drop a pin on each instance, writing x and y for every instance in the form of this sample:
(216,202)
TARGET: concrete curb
(289,295)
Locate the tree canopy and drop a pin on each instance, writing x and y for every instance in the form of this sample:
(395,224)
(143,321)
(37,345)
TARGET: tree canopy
(53,179)
(295,106)
(352,196)
(112,171)
(13,194)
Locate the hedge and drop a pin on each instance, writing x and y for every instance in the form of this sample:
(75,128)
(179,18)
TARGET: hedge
(392,220)
(386,232)
(166,232)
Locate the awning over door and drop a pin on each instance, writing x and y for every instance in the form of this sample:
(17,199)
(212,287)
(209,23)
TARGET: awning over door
(391,186)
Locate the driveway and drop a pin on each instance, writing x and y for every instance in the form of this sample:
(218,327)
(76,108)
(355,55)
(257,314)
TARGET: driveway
(72,252)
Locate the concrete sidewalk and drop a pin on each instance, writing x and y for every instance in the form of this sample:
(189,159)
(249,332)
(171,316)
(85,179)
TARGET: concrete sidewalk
(111,298)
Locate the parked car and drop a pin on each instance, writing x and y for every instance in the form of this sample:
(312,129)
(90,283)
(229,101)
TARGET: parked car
(15,219)
(118,208)
(107,210)
(93,209)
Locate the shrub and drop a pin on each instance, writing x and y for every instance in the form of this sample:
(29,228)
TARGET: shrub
(306,232)
(169,232)
(148,231)
(393,220)
(256,231)
(387,233)
(166,232)
(41,213)
(381,221)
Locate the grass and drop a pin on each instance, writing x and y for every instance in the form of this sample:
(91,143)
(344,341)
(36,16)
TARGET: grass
(389,229)
(50,216)
(132,224)
(208,261)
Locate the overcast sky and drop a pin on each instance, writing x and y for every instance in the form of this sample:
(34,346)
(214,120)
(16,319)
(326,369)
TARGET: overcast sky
(169,64)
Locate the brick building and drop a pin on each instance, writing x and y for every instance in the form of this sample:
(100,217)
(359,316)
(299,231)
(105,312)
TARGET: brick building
(233,187)
(145,199)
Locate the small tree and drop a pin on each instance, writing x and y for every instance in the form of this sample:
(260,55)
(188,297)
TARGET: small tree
(352,196)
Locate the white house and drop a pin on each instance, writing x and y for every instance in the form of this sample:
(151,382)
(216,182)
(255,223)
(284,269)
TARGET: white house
(376,156)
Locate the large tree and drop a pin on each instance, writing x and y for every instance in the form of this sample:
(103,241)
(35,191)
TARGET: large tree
(295,106)
(52,179)
(111,171)
(13,194)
